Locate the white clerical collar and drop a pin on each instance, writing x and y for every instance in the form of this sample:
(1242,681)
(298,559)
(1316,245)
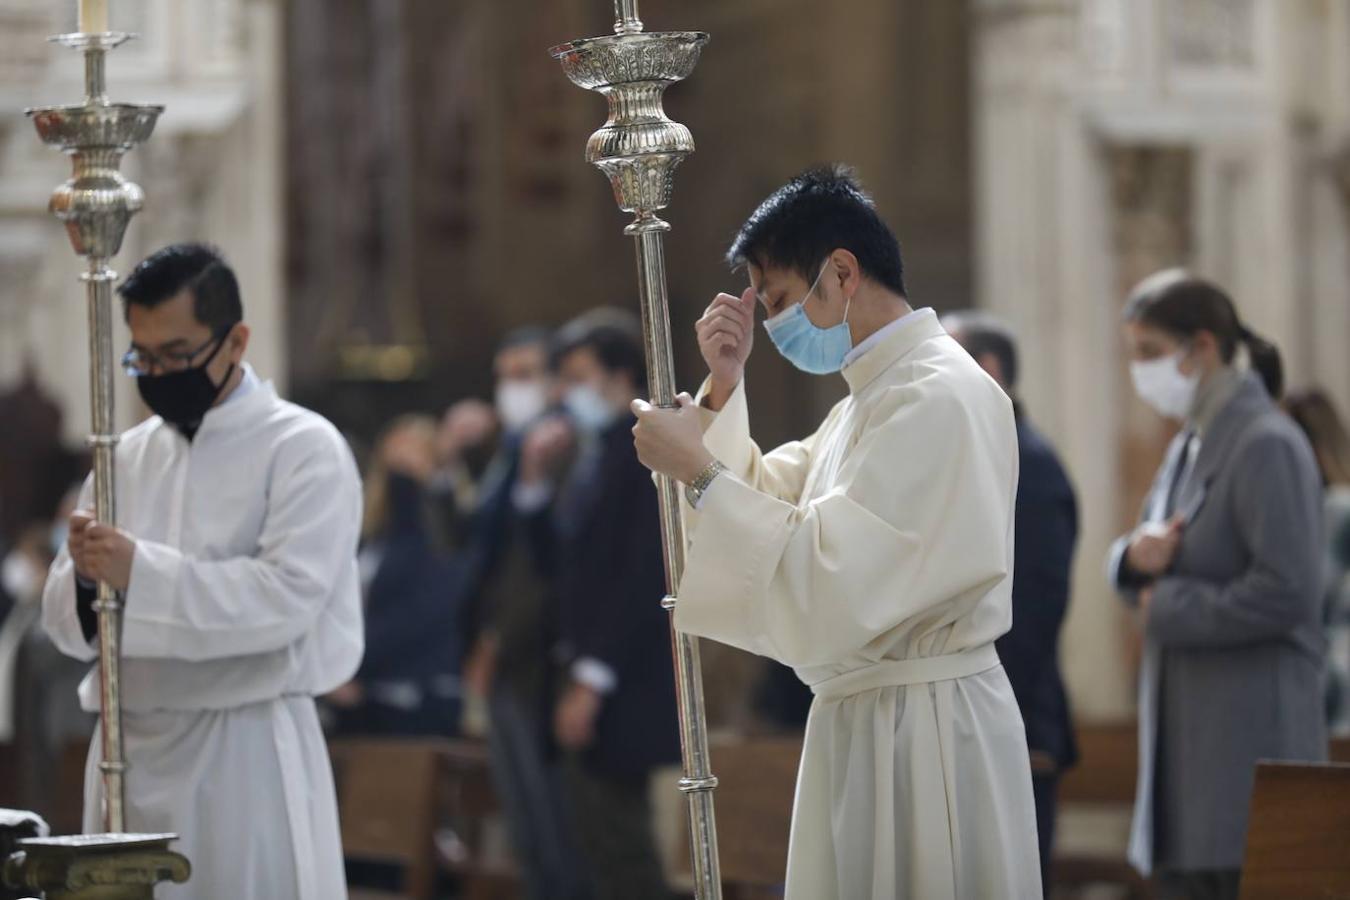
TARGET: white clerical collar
(879,336)
(247,385)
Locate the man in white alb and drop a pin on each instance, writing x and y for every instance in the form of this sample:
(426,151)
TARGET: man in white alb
(874,557)
(238,519)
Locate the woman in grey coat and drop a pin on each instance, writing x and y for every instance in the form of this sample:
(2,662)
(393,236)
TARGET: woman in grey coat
(1225,569)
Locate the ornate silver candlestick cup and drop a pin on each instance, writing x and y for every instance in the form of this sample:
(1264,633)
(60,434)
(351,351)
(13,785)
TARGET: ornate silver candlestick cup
(638,148)
(95,205)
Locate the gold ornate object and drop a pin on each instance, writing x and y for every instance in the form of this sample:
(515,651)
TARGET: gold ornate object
(638,148)
(96,866)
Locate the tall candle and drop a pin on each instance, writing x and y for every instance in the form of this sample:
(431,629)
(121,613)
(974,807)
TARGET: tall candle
(93,16)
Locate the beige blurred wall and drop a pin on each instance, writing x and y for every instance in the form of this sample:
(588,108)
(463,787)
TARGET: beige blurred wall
(211,171)
(412,173)
(1115,137)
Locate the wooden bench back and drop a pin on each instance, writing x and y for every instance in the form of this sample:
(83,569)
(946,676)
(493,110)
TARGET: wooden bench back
(1298,837)
(387,796)
(1108,765)
(1340,750)
(757,779)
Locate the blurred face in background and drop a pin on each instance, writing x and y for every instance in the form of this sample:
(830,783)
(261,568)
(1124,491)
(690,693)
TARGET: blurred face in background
(409,447)
(1167,371)
(594,396)
(523,385)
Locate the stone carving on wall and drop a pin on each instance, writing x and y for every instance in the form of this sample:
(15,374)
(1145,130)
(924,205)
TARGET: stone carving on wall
(1211,34)
(24,52)
(1151,209)
(181,170)
(1106,33)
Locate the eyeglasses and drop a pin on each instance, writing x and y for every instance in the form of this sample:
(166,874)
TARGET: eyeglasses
(138,362)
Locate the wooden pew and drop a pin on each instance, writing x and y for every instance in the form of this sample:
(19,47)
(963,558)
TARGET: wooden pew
(1104,777)
(756,781)
(394,794)
(1340,750)
(754,805)
(1298,837)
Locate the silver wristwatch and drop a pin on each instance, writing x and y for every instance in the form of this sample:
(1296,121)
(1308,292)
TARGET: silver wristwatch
(694,490)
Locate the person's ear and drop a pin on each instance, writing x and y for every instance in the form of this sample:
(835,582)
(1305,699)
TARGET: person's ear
(846,272)
(1205,350)
(238,342)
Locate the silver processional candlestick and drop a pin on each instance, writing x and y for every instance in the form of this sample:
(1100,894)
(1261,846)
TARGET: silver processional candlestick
(95,205)
(638,148)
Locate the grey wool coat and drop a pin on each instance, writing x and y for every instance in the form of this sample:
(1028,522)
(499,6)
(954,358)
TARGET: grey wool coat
(1233,649)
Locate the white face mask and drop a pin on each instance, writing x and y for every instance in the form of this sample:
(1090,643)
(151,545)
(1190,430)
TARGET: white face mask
(1161,384)
(520,402)
(589,408)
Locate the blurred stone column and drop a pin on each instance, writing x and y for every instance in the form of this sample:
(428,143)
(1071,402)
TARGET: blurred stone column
(1044,264)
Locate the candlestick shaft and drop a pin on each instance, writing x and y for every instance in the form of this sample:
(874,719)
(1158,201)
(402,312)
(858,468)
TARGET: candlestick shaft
(98,285)
(638,149)
(698,782)
(626,19)
(95,77)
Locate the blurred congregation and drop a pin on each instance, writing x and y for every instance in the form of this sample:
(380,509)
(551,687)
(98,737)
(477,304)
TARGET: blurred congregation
(1085,192)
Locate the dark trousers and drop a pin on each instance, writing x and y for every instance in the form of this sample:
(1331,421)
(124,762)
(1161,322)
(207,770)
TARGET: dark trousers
(1045,791)
(1213,884)
(614,824)
(531,790)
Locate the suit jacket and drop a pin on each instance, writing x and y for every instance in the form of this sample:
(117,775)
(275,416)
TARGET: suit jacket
(1233,648)
(510,557)
(487,531)
(611,582)
(413,608)
(1046,531)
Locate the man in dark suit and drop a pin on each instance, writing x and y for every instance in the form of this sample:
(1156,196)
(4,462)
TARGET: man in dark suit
(616,711)
(1046,524)
(508,540)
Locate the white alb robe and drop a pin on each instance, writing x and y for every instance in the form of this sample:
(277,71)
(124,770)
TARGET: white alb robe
(876,559)
(244,604)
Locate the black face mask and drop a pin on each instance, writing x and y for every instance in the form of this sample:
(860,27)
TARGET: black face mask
(182,398)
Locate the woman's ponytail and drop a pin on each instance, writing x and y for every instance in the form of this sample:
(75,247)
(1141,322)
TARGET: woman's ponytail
(1265,360)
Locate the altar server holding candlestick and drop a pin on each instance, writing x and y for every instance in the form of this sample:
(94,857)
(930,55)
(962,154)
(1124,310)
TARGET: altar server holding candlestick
(235,550)
(874,557)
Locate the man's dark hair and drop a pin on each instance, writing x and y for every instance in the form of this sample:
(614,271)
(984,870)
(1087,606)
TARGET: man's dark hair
(198,268)
(815,213)
(981,333)
(613,335)
(526,336)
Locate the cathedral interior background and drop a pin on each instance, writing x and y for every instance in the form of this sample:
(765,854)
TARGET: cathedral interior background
(400,183)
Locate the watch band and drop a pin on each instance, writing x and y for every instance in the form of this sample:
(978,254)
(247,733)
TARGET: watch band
(694,491)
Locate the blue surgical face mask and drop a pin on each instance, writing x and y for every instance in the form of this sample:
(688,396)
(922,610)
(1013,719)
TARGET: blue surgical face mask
(820,351)
(589,408)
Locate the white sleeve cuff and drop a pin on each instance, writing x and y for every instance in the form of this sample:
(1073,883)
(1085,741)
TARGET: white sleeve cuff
(21,579)
(712,486)
(530,498)
(596,675)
